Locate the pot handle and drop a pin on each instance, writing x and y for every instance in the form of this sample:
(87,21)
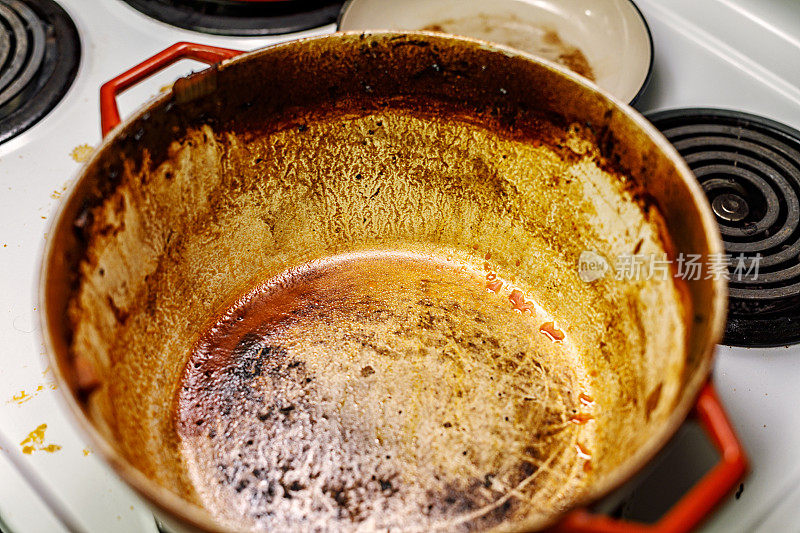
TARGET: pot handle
(109,112)
(698,502)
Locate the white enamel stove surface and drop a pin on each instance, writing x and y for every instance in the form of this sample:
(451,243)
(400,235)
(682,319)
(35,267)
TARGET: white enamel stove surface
(739,54)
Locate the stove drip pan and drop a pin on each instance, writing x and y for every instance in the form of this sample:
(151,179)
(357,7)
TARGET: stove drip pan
(749,167)
(243,18)
(39,55)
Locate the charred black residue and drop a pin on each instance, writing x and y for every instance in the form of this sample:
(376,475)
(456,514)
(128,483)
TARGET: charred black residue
(292,446)
(218,388)
(468,496)
(251,355)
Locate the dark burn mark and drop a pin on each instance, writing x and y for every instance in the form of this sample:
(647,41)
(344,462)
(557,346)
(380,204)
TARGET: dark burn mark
(242,484)
(458,498)
(251,355)
(739,491)
(526,468)
(285,446)
(338,495)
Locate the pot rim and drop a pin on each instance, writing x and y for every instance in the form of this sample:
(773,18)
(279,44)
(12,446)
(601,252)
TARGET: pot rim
(196,516)
(348,4)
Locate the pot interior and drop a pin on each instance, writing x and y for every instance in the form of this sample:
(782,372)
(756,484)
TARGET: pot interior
(349,295)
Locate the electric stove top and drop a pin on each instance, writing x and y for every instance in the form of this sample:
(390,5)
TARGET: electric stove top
(39,56)
(740,56)
(236,17)
(749,167)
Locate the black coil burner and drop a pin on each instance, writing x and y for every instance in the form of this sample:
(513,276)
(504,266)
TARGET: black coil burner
(232,17)
(39,56)
(749,167)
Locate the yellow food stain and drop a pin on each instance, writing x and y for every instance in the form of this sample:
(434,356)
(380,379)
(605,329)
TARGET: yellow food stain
(56,194)
(82,153)
(20,398)
(34,442)
(86,452)
(24,396)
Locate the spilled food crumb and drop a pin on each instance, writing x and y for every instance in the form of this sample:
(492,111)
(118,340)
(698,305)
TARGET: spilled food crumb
(82,153)
(34,442)
(20,398)
(86,451)
(55,195)
(24,396)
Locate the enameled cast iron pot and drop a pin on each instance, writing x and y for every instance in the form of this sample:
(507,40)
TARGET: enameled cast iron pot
(366,281)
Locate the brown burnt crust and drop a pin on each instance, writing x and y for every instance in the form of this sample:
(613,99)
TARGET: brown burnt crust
(421,73)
